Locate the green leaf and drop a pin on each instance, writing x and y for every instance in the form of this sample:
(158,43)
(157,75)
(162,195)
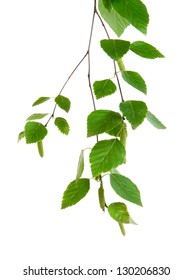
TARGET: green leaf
(154,121)
(122,228)
(123,135)
(118,211)
(101,196)
(34,132)
(115,48)
(63,102)
(104,88)
(40,100)
(40,148)
(106,155)
(134,111)
(107,4)
(125,188)
(145,50)
(75,191)
(117,23)
(21,136)
(36,117)
(80,168)
(101,121)
(134,11)
(135,80)
(62,125)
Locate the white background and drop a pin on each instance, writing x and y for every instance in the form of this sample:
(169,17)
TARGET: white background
(41,42)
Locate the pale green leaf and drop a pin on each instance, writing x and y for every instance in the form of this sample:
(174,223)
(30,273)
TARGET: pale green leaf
(80,167)
(122,228)
(134,111)
(103,88)
(40,100)
(135,80)
(125,188)
(117,23)
(118,211)
(101,196)
(21,136)
(123,135)
(145,50)
(116,49)
(106,155)
(154,121)
(101,121)
(62,125)
(63,102)
(40,148)
(34,132)
(134,11)
(36,117)
(75,191)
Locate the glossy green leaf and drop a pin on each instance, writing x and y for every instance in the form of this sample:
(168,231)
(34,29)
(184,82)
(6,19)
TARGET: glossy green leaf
(135,80)
(118,211)
(145,50)
(101,196)
(103,88)
(154,121)
(34,132)
(80,167)
(101,121)
(134,111)
(62,125)
(115,48)
(75,191)
(117,23)
(134,11)
(106,155)
(36,117)
(125,188)
(63,102)
(40,148)
(40,100)
(21,136)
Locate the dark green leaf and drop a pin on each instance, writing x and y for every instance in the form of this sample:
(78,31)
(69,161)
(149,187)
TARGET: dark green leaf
(145,50)
(21,136)
(106,155)
(117,23)
(125,188)
(36,117)
(40,100)
(118,211)
(80,168)
(107,4)
(104,88)
(101,197)
(115,48)
(34,132)
(40,148)
(134,11)
(101,121)
(154,121)
(62,125)
(63,102)
(134,111)
(75,191)
(135,80)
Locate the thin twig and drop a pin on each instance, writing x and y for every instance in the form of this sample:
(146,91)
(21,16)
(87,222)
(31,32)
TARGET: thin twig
(114,64)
